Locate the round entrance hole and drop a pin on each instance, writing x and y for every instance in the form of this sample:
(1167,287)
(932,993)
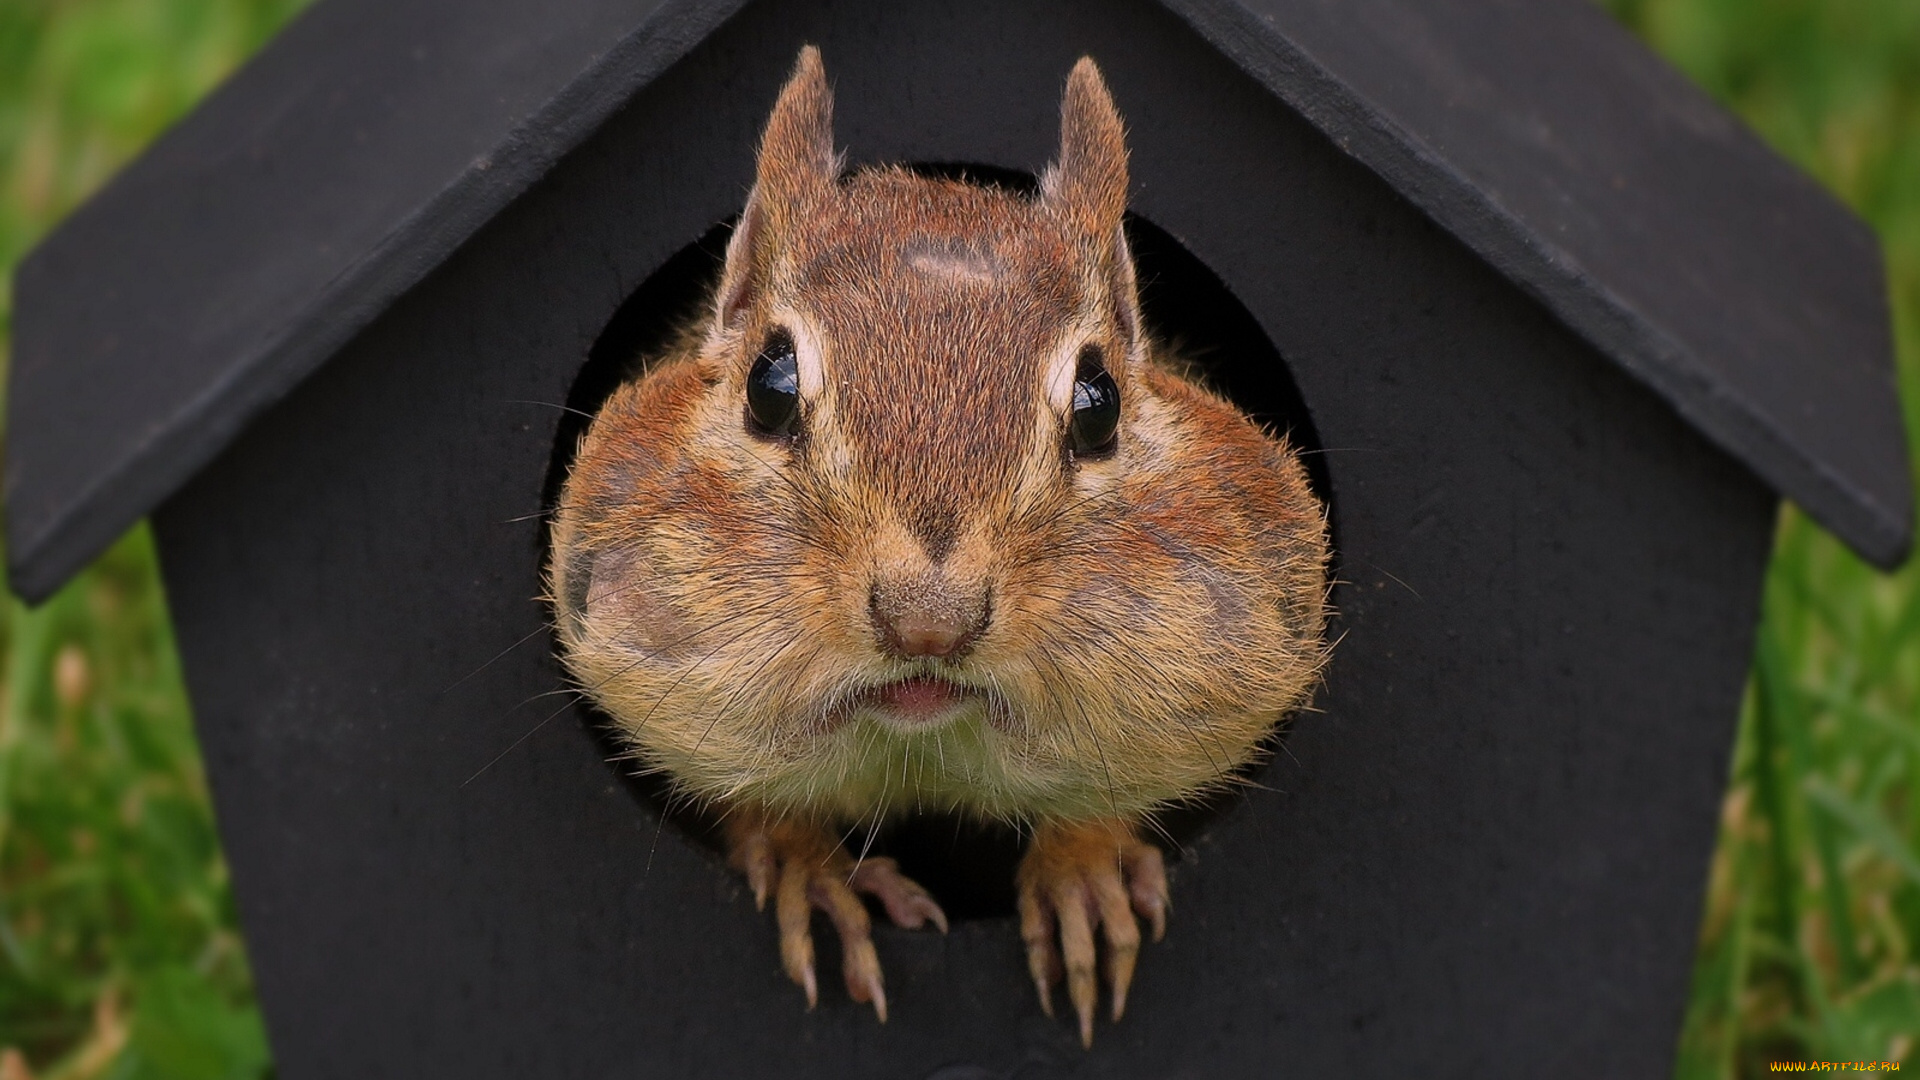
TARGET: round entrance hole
(968,865)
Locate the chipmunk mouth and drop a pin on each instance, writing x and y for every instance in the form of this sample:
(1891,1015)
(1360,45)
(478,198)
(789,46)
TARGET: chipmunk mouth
(919,702)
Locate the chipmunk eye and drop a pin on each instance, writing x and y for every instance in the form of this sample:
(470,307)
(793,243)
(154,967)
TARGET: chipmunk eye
(1096,406)
(773,387)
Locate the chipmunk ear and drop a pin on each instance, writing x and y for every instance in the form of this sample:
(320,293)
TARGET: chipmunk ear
(797,168)
(1088,183)
(1087,186)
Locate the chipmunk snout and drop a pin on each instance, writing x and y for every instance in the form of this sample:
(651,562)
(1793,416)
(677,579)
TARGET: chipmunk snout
(928,616)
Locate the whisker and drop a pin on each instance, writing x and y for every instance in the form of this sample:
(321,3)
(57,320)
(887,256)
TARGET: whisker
(551,405)
(516,743)
(536,632)
(879,811)
(1395,579)
(720,712)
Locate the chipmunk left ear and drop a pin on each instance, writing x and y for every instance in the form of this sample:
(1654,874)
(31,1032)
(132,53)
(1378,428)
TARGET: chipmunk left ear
(1087,185)
(796,170)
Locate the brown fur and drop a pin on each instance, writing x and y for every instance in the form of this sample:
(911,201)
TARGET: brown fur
(1153,614)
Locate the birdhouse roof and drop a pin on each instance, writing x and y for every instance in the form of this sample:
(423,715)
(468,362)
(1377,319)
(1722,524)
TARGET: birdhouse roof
(373,137)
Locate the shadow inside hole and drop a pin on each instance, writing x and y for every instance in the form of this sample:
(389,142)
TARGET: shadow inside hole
(968,865)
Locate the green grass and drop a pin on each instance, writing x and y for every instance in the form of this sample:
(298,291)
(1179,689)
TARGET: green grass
(1810,948)
(119,955)
(116,924)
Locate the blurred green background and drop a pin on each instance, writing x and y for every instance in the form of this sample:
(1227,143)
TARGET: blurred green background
(119,952)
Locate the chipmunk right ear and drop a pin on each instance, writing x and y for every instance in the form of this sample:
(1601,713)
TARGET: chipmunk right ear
(797,169)
(1087,186)
(1088,183)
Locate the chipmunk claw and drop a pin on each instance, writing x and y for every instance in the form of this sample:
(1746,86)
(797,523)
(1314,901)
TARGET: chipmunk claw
(908,904)
(1077,879)
(805,869)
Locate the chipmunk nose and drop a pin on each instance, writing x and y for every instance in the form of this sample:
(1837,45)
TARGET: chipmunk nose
(927,617)
(918,633)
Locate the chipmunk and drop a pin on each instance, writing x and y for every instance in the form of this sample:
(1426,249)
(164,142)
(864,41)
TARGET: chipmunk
(921,517)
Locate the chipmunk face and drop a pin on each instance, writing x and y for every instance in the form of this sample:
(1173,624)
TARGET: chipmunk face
(916,519)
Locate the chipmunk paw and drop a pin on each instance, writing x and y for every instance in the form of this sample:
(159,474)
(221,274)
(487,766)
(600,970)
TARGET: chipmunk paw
(804,868)
(1078,876)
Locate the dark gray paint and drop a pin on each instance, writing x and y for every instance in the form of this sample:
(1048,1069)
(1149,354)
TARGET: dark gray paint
(374,137)
(1648,218)
(1484,858)
(347,160)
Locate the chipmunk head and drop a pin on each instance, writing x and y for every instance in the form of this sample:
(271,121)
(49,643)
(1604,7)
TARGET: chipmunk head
(915,517)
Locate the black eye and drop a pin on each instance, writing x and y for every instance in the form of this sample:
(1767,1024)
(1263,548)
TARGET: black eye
(1096,406)
(773,386)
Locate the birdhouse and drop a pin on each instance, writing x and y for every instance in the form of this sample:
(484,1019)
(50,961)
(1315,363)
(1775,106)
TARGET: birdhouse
(1556,330)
